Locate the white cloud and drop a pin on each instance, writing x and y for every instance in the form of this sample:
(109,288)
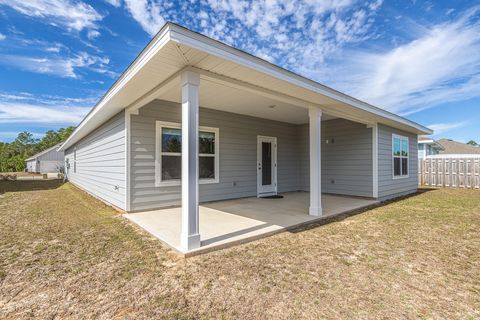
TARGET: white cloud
(11,135)
(66,67)
(54,49)
(301,36)
(92,34)
(2,37)
(442,65)
(30,113)
(115,3)
(74,15)
(266,16)
(46,99)
(439,128)
(147,13)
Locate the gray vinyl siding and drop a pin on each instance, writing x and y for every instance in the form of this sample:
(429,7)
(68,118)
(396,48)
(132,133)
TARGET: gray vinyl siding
(100,162)
(304,157)
(349,159)
(52,155)
(387,186)
(346,160)
(238,155)
(52,161)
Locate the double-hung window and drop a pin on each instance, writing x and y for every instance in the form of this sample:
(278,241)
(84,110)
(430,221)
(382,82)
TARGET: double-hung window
(400,151)
(168,166)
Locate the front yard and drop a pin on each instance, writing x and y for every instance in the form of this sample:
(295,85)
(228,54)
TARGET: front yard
(64,255)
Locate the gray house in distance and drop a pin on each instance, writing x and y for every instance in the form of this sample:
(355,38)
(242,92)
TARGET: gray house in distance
(47,161)
(428,147)
(196,137)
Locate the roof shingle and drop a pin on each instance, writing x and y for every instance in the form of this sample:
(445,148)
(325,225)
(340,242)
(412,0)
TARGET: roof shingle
(455,147)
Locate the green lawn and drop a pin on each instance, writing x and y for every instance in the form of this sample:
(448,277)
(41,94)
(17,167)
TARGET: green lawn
(64,255)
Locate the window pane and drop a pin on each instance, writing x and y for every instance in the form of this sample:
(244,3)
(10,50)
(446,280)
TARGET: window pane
(206,142)
(396,146)
(171,167)
(404,166)
(396,166)
(206,166)
(171,140)
(404,148)
(266,163)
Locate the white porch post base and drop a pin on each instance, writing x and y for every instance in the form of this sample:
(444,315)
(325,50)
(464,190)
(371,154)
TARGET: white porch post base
(190,242)
(190,237)
(315,124)
(315,211)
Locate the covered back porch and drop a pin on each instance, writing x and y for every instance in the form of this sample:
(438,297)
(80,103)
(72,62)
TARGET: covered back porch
(216,138)
(229,222)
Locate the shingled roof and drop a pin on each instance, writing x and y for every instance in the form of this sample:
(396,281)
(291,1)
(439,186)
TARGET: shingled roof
(455,147)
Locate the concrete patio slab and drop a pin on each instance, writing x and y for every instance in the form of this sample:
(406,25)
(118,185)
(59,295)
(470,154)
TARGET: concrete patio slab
(225,223)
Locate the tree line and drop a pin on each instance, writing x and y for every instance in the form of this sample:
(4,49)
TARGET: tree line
(14,154)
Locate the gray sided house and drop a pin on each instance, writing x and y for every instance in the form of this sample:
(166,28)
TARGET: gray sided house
(193,121)
(428,147)
(48,161)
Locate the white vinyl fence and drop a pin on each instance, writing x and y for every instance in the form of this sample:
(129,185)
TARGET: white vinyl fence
(453,171)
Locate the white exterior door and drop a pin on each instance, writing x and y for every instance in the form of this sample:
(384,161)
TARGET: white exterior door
(266,166)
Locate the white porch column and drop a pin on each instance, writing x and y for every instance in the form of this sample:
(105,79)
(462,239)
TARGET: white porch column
(315,115)
(374,160)
(190,237)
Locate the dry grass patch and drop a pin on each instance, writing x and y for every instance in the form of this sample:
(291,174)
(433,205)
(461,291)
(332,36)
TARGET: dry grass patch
(21,173)
(66,255)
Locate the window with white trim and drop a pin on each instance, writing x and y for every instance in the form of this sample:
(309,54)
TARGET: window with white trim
(168,166)
(400,153)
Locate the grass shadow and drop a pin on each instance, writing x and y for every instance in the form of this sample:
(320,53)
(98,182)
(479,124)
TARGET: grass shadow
(29,185)
(342,216)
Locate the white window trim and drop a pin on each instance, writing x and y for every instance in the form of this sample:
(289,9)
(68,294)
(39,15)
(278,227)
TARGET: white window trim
(158,154)
(393,157)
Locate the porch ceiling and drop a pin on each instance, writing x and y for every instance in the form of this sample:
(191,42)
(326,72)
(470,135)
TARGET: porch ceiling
(223,97)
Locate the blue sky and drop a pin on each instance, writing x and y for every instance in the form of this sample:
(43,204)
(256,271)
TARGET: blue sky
(420,59)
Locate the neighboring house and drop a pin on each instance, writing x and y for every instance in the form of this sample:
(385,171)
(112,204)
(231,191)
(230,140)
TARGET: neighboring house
(428,147)
(47,161)
(454,147)
(194,120)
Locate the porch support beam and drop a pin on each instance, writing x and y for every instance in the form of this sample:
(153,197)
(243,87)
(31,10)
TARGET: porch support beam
(190,237)
(315,116)
(157,91)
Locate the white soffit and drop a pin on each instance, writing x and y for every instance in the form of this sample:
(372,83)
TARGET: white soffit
(220,97)
(175,47)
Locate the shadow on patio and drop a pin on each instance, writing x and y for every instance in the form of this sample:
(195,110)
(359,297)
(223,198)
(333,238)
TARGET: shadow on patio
(224,223)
